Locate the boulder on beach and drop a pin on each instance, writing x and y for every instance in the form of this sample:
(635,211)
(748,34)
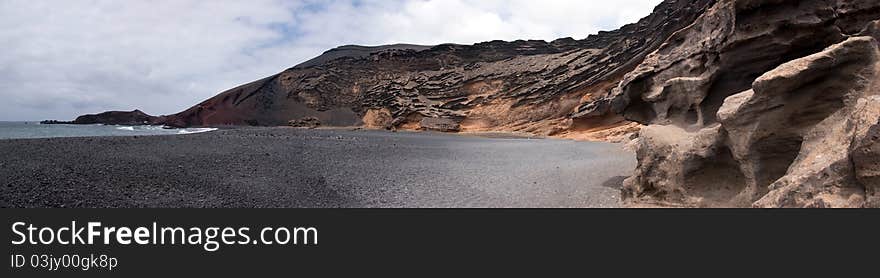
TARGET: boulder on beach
(307,122)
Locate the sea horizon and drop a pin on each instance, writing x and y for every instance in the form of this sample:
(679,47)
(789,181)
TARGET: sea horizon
(36,130)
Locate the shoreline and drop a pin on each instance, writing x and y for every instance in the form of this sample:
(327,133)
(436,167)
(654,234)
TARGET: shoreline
(481,134)
(291,167)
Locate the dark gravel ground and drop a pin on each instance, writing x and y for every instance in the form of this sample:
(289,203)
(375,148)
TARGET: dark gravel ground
(285,167)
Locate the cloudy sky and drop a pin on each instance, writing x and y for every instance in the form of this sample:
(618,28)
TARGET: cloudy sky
(63,58)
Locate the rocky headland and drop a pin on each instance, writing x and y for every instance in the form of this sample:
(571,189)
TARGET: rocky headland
(136,117)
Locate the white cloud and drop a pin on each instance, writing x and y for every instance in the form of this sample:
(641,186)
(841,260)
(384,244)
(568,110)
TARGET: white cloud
(65,58)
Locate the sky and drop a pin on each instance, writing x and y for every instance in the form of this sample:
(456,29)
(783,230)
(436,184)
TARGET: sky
(63,58)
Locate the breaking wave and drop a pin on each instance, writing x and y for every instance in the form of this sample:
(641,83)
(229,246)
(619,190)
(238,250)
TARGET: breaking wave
(195,130)
(158,129)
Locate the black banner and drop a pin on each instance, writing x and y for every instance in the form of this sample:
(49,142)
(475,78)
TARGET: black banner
(428,241)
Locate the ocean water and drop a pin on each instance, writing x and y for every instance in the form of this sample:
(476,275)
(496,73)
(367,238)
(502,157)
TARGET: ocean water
(21,130)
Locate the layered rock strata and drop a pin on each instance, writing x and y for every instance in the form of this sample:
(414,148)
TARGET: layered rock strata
(525,86)
(759,103)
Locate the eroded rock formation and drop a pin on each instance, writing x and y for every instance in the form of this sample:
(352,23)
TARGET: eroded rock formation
(759,103)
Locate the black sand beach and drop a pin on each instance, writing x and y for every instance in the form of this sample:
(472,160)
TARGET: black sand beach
(286,167)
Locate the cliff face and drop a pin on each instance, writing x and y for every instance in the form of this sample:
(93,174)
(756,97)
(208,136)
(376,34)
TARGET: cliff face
(530,86)
(760,103)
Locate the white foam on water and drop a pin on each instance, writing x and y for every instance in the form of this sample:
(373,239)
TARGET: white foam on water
(195,130)
(158,129)
(142,128)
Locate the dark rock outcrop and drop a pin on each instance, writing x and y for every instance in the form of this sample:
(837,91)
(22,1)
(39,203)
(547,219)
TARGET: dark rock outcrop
(135,117)
(307,122)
